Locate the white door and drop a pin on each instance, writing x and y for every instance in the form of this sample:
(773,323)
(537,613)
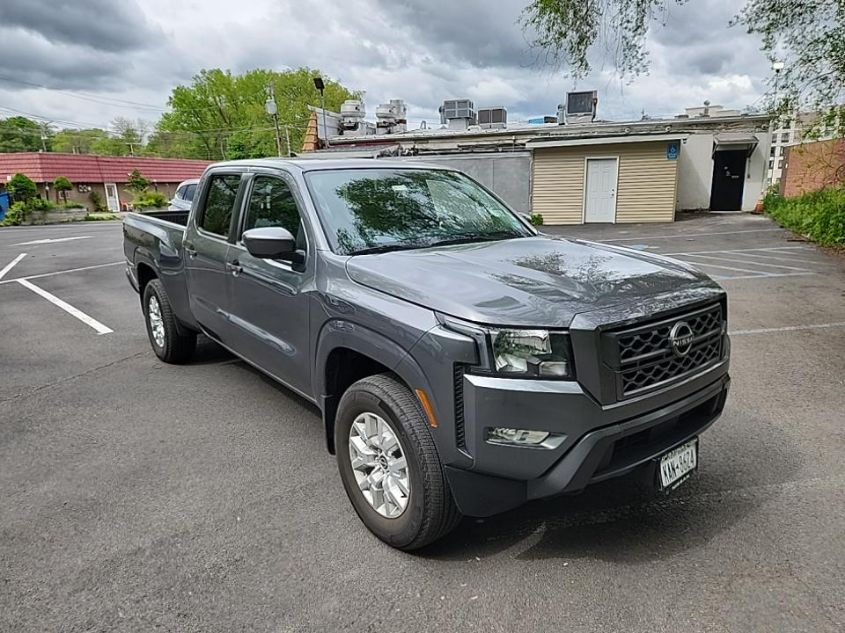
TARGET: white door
(600,200)
(112,201)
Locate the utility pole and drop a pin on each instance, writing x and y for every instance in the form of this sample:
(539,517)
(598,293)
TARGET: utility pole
(287,140)
(273,111)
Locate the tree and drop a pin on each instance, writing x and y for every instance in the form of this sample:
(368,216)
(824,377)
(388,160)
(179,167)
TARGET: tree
(136,183)
(22,188)
(221,115)
(72,141)
(808,35)
(20,134)
(62,185)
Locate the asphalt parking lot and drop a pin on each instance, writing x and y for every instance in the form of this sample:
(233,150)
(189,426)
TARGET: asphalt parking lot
(137,496)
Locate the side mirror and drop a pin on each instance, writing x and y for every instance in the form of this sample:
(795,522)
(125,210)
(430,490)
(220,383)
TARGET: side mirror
(270,242)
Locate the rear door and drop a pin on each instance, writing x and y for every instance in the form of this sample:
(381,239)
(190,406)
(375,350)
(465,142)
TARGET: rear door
(206,248)
(269,303)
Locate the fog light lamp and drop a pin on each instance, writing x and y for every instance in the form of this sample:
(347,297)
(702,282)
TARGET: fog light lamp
(518,437)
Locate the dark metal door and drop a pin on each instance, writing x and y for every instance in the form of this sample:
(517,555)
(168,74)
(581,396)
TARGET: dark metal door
(728,180)
(269,299)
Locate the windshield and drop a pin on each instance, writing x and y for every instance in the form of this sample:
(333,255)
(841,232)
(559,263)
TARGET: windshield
(371,210)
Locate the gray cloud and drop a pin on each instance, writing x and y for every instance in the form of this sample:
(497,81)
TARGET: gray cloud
(420,52)
(103,25)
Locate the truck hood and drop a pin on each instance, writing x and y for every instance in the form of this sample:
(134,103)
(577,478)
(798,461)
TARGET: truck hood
(537,281)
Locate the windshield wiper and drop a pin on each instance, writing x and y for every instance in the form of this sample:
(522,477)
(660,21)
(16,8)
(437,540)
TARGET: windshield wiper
(386,248)
(475,237)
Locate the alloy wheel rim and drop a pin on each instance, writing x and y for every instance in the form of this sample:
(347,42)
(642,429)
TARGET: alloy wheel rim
(156,322)
(379,465)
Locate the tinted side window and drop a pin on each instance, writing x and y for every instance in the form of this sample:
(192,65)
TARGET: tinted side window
(271,203)
(217,216)
(188,193)
(180,193)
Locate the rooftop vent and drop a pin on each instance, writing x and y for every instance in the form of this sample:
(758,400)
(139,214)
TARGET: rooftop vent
(458,114)
(580,107)
(352,115)
(492,118)
(391,118)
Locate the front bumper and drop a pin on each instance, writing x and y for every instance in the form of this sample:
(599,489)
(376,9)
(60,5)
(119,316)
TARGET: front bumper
(601,441)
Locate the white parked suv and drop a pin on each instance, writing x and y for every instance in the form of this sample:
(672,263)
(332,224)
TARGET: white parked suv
(184,195)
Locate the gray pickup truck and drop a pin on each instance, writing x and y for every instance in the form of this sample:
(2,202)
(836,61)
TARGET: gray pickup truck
(463,363)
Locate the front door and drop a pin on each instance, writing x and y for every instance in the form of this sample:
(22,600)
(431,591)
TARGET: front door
(206,248)
(600,198)
(112,199)
(728,180)
(269,308)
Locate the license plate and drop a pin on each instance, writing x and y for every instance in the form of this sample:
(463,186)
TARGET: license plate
(677,465)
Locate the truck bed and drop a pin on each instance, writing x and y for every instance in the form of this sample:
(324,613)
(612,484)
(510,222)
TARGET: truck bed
(176,217)
(154,240)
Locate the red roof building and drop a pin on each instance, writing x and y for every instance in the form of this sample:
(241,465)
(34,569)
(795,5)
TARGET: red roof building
(105,174)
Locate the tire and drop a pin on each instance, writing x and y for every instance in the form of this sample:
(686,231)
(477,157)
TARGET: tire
(168,343)
(429,512)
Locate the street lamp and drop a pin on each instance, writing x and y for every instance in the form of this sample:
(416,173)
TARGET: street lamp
(319,85)
(273,111)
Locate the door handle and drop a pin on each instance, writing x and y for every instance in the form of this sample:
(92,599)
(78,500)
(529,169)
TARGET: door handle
(234,267)
(190,250)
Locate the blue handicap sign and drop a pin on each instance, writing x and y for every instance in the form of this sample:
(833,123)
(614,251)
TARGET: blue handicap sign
(672,150)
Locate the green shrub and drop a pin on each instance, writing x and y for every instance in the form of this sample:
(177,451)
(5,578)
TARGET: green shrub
(72,205)
(819,215)
(62,185)
(97,200)
(16,214)
(150,200)
(21,187)
(537,219)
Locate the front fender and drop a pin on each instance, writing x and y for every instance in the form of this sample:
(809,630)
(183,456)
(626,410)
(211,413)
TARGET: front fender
(342,334)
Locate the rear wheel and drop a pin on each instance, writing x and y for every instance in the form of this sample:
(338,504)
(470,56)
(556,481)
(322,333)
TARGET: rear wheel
(168,343)
(389,465)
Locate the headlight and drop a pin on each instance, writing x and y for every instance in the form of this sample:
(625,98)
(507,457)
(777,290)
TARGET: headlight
(535,353)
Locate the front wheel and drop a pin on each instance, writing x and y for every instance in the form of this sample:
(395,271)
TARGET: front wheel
(168,343)
(389,465)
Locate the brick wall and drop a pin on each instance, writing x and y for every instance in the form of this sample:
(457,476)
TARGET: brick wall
(74,195)
(812,166)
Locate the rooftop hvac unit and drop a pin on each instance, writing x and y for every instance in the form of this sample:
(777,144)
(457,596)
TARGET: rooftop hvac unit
(391,118)
(492,118)
(458,114)
(352,114)
(580,107)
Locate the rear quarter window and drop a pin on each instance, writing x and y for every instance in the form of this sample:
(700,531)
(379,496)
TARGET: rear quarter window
(219,203)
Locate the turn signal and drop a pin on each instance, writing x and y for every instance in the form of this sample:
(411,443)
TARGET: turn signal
(429,410)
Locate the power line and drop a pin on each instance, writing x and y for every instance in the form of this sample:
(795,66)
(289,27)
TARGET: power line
(85,95)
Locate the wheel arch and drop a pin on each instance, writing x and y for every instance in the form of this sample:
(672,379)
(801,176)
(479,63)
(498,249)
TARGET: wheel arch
(346,353)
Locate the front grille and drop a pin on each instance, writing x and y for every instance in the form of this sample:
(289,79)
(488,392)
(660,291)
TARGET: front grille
(460,431)
(644,358)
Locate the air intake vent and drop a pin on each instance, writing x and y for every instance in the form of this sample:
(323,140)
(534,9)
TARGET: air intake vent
(458,114)
(493,118)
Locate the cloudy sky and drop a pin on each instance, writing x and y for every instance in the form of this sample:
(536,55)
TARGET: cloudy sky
(84,62)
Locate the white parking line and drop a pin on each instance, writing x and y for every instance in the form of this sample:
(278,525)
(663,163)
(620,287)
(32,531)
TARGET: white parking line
(739,270)
(744,250)
(745,261)
(774,276)
(11,265)
(687,235)
(60,272)
(93,323)
(780,257)
(787,328)
(53,240)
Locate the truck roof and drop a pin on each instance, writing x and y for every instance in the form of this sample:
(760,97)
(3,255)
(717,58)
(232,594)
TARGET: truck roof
(311,164)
